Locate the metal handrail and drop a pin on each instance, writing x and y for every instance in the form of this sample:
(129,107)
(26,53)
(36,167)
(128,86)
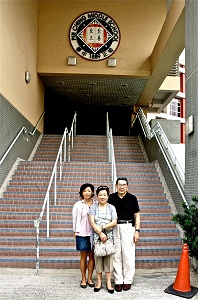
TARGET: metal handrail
(46,199)
(37,124)
(63,147)
(111,154)
(71,136)
(24,130)
(164,144)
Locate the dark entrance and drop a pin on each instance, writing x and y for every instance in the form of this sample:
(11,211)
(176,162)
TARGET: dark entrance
(91,120)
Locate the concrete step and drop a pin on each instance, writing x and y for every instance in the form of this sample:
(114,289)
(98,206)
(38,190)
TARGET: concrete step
(67,215)
(57,251)
(71,200)
(72,262)
(13,223)
(68,232)
(137,189)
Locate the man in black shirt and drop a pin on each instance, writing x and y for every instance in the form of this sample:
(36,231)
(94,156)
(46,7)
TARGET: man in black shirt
(126,234)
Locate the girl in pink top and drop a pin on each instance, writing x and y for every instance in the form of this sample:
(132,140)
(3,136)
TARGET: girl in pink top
(82,230)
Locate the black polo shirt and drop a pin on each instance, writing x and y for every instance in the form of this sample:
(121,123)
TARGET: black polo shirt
(126,207)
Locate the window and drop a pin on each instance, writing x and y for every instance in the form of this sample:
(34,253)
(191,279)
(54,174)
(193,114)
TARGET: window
(175,107)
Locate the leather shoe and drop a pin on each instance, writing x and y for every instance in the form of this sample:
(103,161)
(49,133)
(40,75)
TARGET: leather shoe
(126,287)
(91,284)
(97,289)
(83,286)
(118,287)
(111,291)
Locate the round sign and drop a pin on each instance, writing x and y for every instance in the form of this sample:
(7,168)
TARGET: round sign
(94,36)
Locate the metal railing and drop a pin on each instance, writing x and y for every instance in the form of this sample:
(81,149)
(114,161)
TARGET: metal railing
(111,155)
(165,147)
(61,153)
(24,131)
(37,124)
(71,136)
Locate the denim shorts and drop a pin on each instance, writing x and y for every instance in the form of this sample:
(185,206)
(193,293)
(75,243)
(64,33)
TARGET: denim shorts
(83,243)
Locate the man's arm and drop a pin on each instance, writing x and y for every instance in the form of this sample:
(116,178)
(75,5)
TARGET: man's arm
(137,227)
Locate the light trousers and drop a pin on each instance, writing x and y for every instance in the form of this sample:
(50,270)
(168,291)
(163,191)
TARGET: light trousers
(124,259)
(104,263)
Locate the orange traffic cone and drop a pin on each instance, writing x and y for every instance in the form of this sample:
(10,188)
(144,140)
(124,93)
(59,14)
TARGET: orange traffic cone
(181,287)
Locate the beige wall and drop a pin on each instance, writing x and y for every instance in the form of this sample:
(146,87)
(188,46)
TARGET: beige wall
(138,36)
(18,39)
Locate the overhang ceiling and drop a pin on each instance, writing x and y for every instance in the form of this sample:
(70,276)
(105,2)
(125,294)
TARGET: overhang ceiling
(89,90)
(104,91)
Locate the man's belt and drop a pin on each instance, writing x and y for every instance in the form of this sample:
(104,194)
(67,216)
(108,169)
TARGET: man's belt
(124,221)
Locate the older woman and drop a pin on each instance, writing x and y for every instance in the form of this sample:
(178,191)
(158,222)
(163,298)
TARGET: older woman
(102,217)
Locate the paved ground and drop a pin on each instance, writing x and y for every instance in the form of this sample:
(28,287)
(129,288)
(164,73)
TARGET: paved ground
(65,284)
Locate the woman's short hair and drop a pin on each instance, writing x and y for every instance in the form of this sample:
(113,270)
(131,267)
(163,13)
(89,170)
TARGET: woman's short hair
(102,188)
(84,186)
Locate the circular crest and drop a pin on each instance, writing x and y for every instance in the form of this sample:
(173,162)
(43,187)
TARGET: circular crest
(94,36)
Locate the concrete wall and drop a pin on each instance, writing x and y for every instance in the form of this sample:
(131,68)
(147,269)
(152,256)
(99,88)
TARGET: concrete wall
(18,38)
(171,129)
(138,36)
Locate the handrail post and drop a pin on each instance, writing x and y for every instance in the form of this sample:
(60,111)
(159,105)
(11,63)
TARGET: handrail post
(107,123)
(36,224)
(75,123)
(65,145)
(72,138)
(48,214)
(55,174)
(69,149)
(109,140)
(60,164)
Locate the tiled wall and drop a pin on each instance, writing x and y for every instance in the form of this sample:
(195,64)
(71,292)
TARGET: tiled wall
(11,122)
(191,50)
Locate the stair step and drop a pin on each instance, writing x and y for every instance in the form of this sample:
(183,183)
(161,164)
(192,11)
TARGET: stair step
(73,262)
(68,251)
(13,223)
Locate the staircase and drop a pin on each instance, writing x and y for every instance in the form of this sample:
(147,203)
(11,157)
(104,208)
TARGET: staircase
(159,246)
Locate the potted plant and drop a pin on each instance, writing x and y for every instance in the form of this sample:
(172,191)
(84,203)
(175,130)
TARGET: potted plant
(188,221)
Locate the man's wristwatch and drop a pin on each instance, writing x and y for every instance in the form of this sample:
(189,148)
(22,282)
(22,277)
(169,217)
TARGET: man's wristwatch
(138,230)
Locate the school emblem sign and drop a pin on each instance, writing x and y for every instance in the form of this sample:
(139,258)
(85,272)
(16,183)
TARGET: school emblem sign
(94,36)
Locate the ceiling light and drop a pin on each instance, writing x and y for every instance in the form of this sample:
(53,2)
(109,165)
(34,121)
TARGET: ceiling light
(60,82)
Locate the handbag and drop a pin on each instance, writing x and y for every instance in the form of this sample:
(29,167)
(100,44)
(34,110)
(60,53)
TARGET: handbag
(104,249)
